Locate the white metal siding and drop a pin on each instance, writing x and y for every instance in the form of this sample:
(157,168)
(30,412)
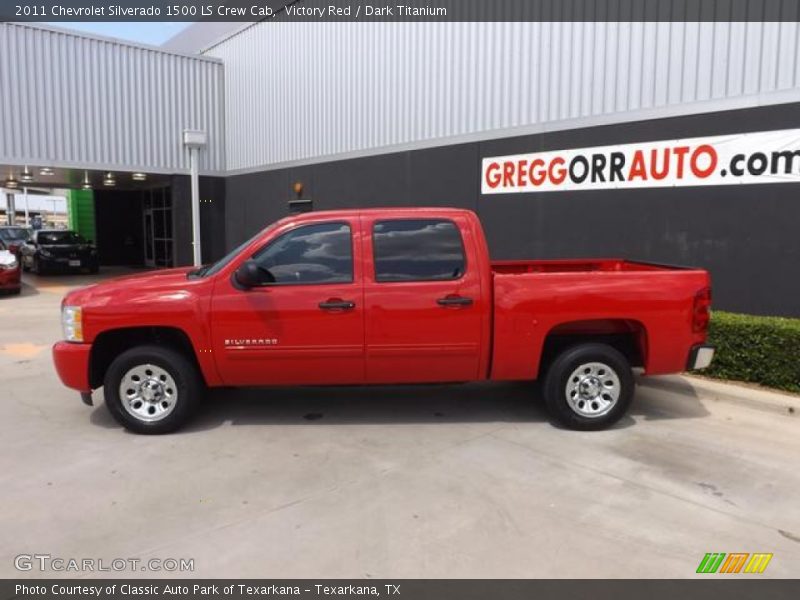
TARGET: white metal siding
(300,91)
(73,100)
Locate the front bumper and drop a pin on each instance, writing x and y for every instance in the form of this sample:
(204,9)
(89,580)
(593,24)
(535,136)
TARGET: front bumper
(61,264)
(700,357)
(72,364)
(10,279)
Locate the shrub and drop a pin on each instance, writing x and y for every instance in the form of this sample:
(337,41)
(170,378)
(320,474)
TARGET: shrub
(763,350)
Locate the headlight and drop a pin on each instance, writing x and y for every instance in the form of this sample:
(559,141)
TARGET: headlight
(72,323)
(12,264)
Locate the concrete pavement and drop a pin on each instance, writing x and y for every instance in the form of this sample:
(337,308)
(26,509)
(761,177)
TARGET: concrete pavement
(461,481)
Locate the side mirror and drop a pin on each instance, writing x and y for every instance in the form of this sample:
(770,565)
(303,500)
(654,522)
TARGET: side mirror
(250,275)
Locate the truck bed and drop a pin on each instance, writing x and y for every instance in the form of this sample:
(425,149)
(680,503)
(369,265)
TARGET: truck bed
(577,265)
(536,299)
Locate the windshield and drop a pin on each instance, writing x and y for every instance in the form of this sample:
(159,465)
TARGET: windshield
(14,234)
(214,268)
(60,237)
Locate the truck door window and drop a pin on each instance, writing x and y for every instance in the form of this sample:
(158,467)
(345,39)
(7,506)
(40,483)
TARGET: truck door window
(417,250)
(321,253)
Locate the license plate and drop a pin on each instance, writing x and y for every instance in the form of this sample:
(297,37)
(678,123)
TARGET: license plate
(74,263)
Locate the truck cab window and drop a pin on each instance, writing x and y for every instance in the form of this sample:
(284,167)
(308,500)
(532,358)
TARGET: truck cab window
(418,250)
(310,254)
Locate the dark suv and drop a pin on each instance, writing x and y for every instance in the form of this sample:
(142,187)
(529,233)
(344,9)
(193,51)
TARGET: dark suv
(58,250)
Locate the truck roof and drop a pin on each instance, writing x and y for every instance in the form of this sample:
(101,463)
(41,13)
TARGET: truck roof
(394,210)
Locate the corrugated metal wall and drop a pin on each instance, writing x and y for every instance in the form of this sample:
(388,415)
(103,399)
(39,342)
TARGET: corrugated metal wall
(299,91)
(72,100)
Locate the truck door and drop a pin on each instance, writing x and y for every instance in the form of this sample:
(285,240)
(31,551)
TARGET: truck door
(422,299)
(306,327)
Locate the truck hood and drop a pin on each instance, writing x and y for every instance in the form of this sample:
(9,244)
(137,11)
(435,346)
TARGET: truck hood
(130,287)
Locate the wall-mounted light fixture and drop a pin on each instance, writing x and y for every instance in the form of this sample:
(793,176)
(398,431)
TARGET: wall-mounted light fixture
(46,172)
(86,185)
(109,180)
(299,204)
(139,176)
(26,176)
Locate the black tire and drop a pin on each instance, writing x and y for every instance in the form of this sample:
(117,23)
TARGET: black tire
(561,383)
(38,267)
(183,372)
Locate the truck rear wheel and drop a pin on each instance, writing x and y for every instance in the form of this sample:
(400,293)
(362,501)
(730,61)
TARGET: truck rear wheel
(588,387)
(152,390)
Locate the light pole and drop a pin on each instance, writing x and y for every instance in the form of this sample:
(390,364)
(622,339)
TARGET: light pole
(193,140)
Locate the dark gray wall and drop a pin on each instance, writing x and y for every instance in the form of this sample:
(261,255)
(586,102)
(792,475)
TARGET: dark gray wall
(212,218)
(747,235)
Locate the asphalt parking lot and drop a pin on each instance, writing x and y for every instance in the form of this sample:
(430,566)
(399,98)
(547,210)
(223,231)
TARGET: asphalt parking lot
(461,481)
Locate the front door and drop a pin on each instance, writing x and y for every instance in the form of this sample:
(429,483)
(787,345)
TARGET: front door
(157,228)
(423,302)
(149,249)
(307,327)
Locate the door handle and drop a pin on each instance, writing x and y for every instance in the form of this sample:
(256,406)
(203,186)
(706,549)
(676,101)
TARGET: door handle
(336,304)
(454,301)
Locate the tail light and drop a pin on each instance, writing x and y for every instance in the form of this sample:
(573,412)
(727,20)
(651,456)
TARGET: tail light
(701,312)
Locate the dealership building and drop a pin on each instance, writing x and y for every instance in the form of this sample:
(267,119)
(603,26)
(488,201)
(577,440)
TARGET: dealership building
(673,142)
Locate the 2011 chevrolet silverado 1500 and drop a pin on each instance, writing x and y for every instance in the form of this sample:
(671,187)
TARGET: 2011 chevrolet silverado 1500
(382,296)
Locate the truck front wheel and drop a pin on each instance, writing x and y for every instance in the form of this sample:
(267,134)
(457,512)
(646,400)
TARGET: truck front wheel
(151,390)
(588,387)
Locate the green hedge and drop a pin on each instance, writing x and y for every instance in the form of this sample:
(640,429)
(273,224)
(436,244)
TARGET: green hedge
(763,350)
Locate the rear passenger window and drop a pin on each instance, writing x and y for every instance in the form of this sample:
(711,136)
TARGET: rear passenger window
(417,250)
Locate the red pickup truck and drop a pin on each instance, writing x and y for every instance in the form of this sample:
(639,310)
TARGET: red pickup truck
(382,296)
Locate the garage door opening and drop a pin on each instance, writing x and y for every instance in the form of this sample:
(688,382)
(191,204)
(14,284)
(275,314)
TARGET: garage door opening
(135,227)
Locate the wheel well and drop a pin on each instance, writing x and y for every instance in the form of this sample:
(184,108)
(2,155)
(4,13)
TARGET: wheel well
(110,344)
(627,336)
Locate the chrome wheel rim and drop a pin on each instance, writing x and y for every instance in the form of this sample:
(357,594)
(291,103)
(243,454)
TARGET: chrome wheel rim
(148,392)
(593,389)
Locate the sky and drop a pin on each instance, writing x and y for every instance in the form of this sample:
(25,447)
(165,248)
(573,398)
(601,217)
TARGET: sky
(154,33)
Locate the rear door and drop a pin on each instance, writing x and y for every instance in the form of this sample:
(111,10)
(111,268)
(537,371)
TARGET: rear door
(423,300)
(305,328)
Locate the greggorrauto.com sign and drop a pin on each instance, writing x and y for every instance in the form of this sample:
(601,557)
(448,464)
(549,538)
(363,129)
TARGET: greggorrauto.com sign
(763,157)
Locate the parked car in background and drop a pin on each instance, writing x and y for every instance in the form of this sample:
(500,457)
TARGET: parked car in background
(58,250)
(10,280)
(14,237)
(382,296)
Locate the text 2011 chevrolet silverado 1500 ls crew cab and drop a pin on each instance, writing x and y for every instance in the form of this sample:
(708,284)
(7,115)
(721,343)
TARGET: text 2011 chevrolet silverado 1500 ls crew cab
(382,296)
